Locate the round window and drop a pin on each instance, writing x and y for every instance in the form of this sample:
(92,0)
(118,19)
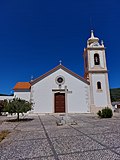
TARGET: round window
(60,80)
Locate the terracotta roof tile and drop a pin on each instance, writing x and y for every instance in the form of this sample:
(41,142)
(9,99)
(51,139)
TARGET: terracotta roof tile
(22,86)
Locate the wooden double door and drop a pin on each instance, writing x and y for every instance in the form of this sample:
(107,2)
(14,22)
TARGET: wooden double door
(59,102)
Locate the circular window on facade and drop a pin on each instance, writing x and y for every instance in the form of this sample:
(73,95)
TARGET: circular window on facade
(60,80)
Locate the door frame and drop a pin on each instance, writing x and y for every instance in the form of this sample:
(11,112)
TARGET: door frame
(55,102)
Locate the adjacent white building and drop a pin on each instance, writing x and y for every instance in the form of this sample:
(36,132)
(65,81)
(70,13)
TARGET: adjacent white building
(61,90)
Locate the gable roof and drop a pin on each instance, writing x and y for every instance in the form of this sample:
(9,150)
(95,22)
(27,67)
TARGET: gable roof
(60,66)
(22,86)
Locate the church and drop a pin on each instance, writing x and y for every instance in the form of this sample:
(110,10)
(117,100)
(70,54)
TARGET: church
(62,91)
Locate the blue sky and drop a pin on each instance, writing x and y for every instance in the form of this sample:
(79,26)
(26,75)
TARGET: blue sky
(36,34)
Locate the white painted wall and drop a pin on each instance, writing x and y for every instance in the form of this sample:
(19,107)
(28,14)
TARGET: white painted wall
(43,96)
(23,95)
(100,96)
(6,97)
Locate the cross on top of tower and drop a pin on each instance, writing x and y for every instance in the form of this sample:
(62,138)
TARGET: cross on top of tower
(60,62)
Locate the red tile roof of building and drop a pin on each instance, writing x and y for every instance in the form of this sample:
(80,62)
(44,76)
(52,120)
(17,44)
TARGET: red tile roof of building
(22,86)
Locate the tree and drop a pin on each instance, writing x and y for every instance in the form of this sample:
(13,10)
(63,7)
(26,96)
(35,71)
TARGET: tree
(1,106)
(17,106)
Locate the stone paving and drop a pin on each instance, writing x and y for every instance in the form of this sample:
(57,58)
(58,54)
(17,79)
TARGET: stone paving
(41,139)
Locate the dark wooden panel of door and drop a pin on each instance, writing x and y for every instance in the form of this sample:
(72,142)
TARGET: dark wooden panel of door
(59,102)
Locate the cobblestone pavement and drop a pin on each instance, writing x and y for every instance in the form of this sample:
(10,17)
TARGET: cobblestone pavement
(41,139)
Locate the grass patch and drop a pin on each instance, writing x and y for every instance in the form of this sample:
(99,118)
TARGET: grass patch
(3,134)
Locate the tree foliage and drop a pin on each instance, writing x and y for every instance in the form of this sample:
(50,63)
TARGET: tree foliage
(115,94)
(17,105)
(1,106)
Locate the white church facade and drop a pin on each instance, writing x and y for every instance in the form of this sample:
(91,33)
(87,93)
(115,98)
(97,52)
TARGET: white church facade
(60,90)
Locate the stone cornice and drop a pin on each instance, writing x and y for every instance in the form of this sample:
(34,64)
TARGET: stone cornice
(95,48)
(101,71)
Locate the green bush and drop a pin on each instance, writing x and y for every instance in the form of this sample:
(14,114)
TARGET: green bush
(99,113)
(105,113)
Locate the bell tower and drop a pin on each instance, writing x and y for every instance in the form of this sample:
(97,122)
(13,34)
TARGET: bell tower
(97,74)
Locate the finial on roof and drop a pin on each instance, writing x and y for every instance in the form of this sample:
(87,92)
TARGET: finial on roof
(60,62)
(102,42)
(31,77)
(92,34)
(92,39)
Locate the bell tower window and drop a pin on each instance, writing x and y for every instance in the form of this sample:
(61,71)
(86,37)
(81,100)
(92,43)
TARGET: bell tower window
(99,85)
(96,59)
